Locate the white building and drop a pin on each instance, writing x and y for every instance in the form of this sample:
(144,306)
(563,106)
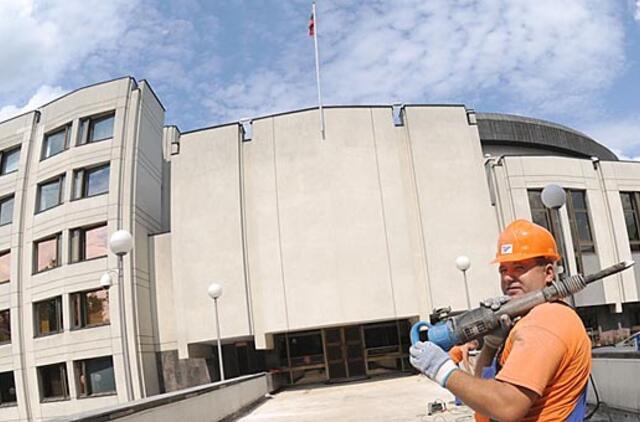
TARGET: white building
(327,249)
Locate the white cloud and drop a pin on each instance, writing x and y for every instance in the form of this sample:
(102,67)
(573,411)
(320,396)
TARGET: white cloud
(529,54)
(46,40)
(637,13)
(622,136)
(43,95)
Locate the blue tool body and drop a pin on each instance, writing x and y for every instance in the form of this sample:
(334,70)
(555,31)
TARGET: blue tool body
(440,334)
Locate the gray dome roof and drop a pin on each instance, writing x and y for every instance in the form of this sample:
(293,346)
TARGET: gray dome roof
(507,129)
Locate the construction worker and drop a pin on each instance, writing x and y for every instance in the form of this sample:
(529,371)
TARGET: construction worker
(542,364)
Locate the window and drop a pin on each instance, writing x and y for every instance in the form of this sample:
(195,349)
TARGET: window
(90,182)
(7,389)
(579,222)
(53,382)
(5,266)
(631,218)
(578,211)
(89,309)
(540,214)
(95,377)
(88,243)
(9,160)
(56,142)
(5,326)
(6,210)
(94,129)
(48,316)
(50,193)
(46,253)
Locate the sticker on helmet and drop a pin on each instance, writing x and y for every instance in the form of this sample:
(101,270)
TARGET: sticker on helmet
(506,249)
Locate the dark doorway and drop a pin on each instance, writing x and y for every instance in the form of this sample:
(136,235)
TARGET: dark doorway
(345,352)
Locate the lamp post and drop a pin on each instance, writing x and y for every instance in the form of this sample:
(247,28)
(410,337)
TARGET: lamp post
(215,291)
(121,244)
(554,197)
(463,263)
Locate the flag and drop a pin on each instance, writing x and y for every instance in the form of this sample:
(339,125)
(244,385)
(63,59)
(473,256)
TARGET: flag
(312,25)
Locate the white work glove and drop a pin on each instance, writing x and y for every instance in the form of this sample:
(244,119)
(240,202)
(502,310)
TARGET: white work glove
(495,339)
(431,360)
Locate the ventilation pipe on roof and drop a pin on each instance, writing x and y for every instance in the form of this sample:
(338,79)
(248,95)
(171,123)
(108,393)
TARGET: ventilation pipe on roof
(397,113)
(246,128)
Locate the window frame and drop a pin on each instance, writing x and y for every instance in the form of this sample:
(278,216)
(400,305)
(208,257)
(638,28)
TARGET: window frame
(59,317)
(82,297)
(66,128)
(577,243)
(82,243)
(8,311)
(58,237)
(61,179)
(3,158)
(551,224)
(80,368)
(15,393)
(3,253)
(6,198)
(87,124)
(634,197)
(84,174)
(62,367)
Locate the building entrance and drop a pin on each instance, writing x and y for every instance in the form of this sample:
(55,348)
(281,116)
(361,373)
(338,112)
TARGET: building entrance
(340,353)
(344,351)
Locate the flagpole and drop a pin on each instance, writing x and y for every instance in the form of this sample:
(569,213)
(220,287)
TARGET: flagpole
(315,44)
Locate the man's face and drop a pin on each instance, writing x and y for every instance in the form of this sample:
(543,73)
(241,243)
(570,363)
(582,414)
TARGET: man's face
(520,277)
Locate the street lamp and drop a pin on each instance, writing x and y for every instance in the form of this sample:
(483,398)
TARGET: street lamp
(121,244)
(554,197)
(215,291)
(463,263)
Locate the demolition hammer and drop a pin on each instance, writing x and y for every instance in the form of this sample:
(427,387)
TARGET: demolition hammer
(478,322)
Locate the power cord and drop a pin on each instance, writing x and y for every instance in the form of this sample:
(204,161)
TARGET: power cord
(595,409)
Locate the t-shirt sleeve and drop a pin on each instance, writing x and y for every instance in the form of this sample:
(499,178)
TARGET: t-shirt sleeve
(535,355)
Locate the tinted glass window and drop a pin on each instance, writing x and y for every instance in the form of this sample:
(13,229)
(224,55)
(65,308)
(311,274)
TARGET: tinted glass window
(101,128)
(90,308)
(48,316)
(301,345)
(5,326)
(5,266)
(7,388)
(53,380)
(95,376)
(10,161)
(6,210)
(97,181)
(55,143)
(49,194)
(95,242)
(46,254)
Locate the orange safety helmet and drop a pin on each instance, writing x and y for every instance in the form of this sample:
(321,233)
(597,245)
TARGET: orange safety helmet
(522,240)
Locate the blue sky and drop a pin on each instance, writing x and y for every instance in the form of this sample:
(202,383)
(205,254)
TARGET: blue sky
(575,62)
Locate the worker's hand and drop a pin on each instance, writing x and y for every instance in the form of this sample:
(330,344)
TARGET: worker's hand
(495,303)
(431,360)
(495,339)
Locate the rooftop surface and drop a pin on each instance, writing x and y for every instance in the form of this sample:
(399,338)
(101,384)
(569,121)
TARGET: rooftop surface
(401,398)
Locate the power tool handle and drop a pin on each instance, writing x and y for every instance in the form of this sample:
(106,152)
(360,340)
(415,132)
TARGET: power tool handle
(415,331)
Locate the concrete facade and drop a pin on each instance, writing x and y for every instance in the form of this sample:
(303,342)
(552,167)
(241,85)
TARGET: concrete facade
(304,234)
(134,156)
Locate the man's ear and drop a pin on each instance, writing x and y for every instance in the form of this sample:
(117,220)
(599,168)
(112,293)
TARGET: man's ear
(550,273)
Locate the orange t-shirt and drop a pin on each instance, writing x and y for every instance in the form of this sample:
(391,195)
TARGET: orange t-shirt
(548,352)
(456,354)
